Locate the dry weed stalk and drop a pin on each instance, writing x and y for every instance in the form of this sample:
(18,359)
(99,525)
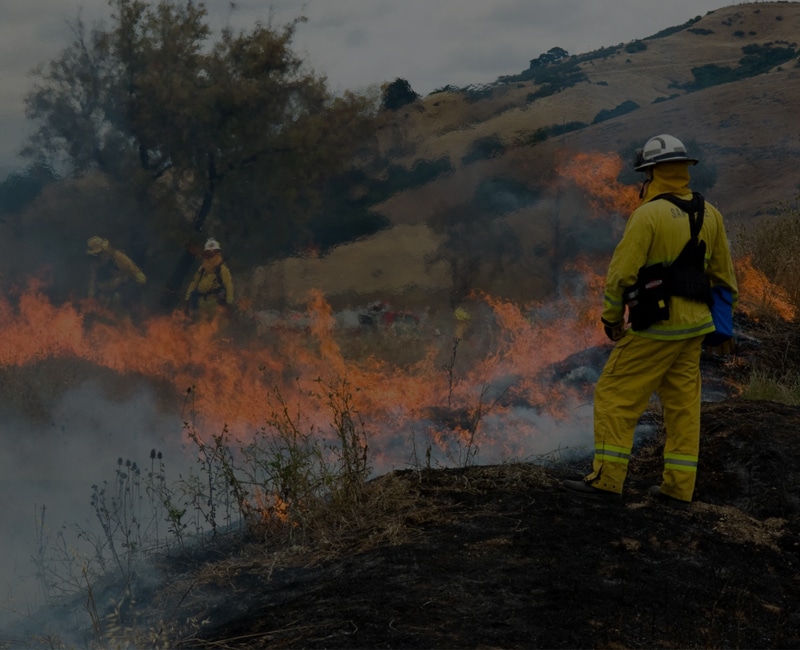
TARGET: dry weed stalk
(449,369)
(773,244)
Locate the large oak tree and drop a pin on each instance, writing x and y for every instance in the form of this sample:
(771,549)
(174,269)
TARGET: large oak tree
(233,125)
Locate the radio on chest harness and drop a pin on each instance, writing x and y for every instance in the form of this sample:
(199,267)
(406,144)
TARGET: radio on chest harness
(218,289)
(648,299)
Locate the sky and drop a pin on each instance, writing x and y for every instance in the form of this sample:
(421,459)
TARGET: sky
(358,43)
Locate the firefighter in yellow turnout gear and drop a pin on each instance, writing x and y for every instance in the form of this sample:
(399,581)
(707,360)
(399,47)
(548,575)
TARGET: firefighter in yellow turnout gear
(114,276)
(212,284)
(663,357)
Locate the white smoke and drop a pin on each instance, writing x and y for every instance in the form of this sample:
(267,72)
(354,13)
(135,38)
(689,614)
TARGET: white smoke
(48,472)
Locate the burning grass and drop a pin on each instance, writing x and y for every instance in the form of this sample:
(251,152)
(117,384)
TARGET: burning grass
(288,429)
(302,480)
(275,509)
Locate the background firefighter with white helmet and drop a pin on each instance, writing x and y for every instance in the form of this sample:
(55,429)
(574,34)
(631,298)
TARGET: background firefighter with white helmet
(113,276)
(212,284)
(672,260)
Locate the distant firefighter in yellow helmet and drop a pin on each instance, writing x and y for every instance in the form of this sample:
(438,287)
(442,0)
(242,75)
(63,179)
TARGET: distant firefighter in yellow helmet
(463,319)
(212,284)
(114,278)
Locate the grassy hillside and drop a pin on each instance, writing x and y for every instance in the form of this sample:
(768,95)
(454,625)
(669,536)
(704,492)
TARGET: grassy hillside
(738,117)
(728,81)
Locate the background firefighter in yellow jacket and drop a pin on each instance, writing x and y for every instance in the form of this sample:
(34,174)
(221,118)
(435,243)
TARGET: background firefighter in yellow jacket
(212,284)
(113,276)
(665,357)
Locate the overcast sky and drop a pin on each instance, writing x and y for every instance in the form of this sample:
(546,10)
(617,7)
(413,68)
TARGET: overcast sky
(355,43)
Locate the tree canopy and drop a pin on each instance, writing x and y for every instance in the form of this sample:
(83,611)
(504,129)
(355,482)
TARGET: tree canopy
(234,125)
(397,94)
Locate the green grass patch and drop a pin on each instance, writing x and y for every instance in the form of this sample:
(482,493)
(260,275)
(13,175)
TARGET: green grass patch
(763,386)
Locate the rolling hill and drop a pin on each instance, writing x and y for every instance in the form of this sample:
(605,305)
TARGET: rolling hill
(727,82)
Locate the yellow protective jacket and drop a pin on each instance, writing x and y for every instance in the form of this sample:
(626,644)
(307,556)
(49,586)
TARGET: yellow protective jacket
(112,268)
(656,233)
(213,278)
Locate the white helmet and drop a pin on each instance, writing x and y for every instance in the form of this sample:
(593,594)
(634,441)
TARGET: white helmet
(661,148)
(211,245)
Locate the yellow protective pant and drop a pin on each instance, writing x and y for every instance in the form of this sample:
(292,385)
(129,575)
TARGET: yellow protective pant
(636,368)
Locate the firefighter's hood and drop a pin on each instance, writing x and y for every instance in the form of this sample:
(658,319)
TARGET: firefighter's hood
(211,263)
(672,177)
(96,245)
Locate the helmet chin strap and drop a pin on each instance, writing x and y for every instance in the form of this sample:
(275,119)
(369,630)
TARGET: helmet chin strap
(648,179)
(643,189)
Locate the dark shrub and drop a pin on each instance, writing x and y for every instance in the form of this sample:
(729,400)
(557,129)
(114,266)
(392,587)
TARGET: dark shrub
(398,178)
(543,133)
(484,148)
(501,195)
(622,109)
(398,94)
(757,59)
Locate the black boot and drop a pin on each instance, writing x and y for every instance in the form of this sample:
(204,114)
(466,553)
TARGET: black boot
(658,495)
(584,489)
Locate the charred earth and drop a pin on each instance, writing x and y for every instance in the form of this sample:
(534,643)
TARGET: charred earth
(497,556)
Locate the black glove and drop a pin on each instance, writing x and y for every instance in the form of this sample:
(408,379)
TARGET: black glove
(614,331)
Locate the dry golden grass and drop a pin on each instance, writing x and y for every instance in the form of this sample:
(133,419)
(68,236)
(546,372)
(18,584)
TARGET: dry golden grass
(447,123)
(389,261)
(748,130)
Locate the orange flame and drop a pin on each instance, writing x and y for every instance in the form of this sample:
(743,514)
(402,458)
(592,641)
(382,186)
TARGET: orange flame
(596,174)
(230,382)
(758,297)
(269,508)
(502,362)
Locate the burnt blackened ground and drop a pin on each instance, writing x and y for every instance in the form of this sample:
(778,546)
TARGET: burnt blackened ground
(500,557)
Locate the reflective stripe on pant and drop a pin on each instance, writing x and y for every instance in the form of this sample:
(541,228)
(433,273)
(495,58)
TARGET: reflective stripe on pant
(636,368)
